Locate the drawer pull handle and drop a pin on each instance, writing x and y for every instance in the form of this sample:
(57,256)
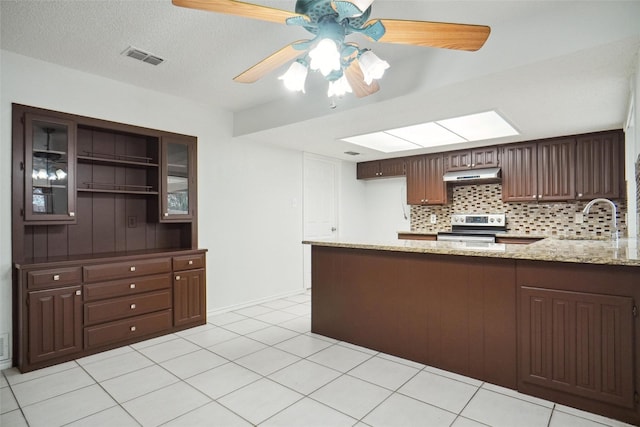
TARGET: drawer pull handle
(132,329)
(78,292)
(132,286)
(133,306)
(190,262)
(177,277)
(56,277)
(132,268)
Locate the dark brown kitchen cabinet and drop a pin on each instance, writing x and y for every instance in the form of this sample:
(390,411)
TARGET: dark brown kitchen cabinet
(103,215)
(485,157)
(556,169)
(189,297)
(54,323)
(178,182)
(578,343)
(386,168)
(600,165)
(425,185)
(539,171)
(49,165)
(519,172)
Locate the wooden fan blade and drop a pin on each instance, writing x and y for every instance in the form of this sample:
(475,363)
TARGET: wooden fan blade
(434,34)
(270,63)
(238,8)
(356,81)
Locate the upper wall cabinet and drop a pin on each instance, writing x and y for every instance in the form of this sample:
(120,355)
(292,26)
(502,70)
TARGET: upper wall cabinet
(178,179)
(386,168)
(484,157)
(425,185)
(49,164)
(600,165)
(519,173)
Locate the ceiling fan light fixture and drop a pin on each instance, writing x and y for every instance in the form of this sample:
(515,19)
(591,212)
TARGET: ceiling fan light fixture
(325,57)
(339,87)
(295,77)
(373,68)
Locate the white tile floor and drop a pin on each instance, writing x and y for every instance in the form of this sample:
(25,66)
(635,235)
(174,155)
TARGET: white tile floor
(261,366)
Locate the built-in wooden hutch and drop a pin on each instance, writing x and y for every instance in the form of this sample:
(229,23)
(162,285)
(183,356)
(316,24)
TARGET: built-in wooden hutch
(104,235)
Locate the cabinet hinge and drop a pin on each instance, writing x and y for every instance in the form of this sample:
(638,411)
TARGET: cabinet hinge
(636,398)
(21,212)
(634,311)
(21,166)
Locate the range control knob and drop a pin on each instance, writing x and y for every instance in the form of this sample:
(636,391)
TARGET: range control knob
(499,219)
(492,220)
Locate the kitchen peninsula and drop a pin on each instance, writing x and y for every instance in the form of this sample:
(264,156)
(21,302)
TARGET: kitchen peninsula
(553,319)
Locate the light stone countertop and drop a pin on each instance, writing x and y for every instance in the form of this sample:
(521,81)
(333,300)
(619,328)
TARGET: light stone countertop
(608,252)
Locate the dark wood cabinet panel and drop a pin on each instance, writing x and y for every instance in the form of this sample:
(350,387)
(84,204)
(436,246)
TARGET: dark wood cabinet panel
(425,185)
(519,172)
(135,328)
(189,297)
(484,157)
(556,169)
(454,313)
(54,323)
(578,343)
(600,165)
(132,268)
(386,168)
(129,306)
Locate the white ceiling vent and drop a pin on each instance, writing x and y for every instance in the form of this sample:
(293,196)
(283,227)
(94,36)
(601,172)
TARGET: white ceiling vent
(141,55)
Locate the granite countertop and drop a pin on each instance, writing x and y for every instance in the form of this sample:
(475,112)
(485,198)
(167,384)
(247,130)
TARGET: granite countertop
(608,252)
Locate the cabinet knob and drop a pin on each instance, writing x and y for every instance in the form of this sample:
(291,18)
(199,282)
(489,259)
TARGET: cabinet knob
(133,306)
(579,194)
(132,329)
(132,286)
(177,277)
(473,165)
(468,165)
(190,262)
(132,268)
(539,196)
(166,214)
(72,214)
(56,277)
(78,292)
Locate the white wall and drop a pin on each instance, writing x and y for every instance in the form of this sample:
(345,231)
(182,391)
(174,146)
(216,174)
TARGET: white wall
(632,150)
(247,216)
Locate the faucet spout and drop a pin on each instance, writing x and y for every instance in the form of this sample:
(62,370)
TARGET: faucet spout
(614,214)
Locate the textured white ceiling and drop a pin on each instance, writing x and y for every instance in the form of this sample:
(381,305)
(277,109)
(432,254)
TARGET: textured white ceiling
(550,67)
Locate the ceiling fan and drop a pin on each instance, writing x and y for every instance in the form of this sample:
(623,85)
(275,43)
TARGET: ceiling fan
(346,66)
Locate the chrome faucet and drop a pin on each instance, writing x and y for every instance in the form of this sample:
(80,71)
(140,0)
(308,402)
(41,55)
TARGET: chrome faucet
(614,215)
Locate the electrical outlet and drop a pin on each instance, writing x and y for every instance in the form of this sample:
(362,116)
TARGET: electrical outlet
(579,218)
(434,219)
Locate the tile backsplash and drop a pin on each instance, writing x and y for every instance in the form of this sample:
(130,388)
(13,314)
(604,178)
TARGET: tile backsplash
(536,219)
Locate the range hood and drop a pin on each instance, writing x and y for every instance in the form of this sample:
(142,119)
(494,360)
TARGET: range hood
(473,175)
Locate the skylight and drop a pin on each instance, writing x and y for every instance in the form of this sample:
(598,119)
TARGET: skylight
(474,127)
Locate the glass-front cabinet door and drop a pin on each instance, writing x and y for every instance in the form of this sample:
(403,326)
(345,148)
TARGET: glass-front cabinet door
(49,169)
(178,175)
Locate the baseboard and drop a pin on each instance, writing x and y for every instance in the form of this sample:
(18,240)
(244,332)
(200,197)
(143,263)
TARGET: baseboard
(5,365)
(253,302)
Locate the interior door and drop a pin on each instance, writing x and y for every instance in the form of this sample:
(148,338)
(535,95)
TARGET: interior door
(320,205)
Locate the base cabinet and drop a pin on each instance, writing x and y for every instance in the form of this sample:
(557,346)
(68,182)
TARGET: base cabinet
(578,343)
(74,308)
(55,323)
(189,298)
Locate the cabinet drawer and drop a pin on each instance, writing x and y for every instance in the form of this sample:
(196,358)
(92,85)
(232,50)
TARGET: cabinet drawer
(123,330)
(94,273)
(54,276)
(119,308)
(188,262)
(124,287)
